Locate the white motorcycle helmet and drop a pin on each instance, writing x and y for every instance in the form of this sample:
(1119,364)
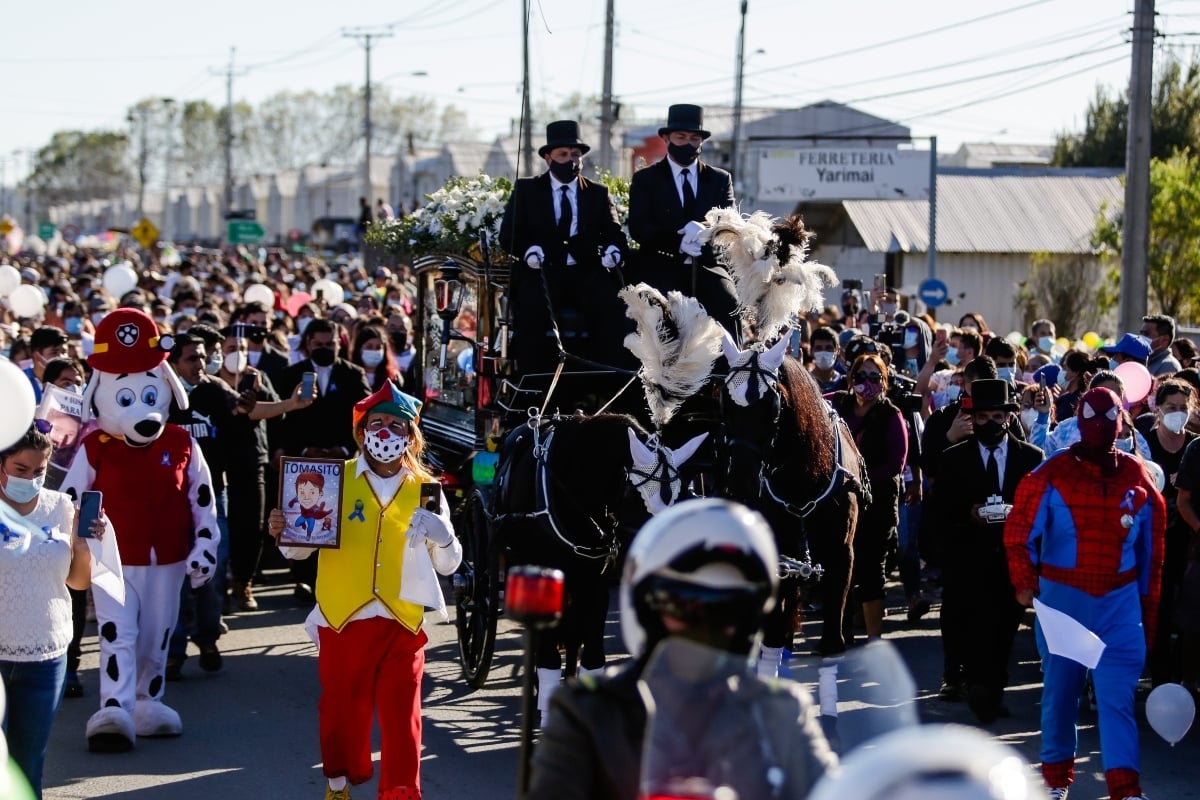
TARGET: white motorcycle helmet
(710,563)
(932,762)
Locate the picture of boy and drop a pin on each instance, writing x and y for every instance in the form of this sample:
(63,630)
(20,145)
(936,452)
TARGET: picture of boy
(310,487)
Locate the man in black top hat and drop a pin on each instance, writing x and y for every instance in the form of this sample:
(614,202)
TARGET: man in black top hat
(974,489)
(563,230)
(667,203)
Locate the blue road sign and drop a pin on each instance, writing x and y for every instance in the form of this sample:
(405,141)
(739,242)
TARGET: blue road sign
(933,292)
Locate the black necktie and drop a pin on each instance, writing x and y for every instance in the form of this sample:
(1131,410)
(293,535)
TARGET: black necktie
(993,471)
(689,197)
(564,214)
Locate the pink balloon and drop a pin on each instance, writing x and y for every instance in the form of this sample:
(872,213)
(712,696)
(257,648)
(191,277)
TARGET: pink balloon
(296,300)
(1137,380)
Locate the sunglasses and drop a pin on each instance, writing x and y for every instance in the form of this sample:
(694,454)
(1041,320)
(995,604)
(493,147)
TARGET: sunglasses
(869,377)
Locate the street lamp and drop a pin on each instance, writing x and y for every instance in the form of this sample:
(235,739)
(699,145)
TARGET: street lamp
(447,294)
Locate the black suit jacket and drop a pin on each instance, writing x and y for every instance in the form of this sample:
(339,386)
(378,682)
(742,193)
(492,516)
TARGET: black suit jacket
(962,483)
(273,364)
(529,220)
(656,213)
(328,421)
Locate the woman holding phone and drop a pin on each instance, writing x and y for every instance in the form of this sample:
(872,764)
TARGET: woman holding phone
(40,556)
(368,621)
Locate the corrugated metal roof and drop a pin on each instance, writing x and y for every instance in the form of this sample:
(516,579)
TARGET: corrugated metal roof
(986,211)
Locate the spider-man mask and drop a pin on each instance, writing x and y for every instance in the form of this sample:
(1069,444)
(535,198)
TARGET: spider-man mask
(1099,417)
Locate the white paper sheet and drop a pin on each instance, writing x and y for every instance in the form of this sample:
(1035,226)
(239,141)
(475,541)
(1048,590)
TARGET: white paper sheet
(106,565)
(1067,637)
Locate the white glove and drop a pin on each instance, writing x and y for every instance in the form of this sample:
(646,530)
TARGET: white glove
(611,257)
(692,230)
(690,247)
(202,563)
(427,525)
(534,257)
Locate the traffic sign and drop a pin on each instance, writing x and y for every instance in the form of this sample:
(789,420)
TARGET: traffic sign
(46,230)
(6,226)
(145,233)
(70,233)
(933,292)
(245,231)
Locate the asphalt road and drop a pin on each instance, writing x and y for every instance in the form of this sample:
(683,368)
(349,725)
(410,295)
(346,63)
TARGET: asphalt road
(250,729)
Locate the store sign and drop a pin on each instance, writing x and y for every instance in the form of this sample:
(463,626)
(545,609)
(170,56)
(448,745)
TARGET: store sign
(815,174)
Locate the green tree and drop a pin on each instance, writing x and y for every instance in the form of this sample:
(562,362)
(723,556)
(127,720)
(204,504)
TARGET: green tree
(79,165)
(1067,289)
(1174,120)
(1173,266)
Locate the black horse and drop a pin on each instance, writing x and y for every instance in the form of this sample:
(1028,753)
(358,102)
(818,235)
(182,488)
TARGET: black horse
(563,500)
(791,458)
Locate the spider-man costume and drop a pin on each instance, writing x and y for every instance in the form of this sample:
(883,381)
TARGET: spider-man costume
(1086,535)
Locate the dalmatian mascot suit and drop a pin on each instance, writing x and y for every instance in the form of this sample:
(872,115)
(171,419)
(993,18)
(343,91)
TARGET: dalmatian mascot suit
(157,493)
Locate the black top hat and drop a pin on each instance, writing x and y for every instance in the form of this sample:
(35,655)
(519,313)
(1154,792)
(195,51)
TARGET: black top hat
(563,133)
(989,394)
(684,117)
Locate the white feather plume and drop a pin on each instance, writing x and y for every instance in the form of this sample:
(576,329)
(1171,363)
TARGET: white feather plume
(769,294)
(677,343)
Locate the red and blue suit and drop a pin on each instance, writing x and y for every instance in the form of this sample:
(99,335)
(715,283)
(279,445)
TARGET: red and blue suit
(1086,535)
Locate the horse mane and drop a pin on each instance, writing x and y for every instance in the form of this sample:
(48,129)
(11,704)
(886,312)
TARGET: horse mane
(806,417)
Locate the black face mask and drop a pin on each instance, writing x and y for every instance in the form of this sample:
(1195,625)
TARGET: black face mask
(322,356)
(682,154)
(990,433)
(565,171)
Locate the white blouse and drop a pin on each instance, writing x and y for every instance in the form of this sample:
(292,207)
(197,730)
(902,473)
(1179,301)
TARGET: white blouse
(35,608)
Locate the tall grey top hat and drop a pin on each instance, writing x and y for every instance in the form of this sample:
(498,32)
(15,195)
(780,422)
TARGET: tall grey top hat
(684,117)
(563,133)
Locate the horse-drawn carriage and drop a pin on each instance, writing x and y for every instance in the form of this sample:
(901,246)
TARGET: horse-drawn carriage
(561,490)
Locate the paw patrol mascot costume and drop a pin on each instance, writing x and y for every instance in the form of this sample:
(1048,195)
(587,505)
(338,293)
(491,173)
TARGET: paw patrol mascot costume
(157,492)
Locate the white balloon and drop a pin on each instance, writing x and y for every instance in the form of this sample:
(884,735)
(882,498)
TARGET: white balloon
(119,279)
(10,279)
(19,404)
(1170,710)
(259,293)
(332,292)
(27,300)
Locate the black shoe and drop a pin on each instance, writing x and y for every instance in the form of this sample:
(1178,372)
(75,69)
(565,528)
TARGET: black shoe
(210,658)
(175,667)
(304,593)
(951,692)
(979,700)
(72,687)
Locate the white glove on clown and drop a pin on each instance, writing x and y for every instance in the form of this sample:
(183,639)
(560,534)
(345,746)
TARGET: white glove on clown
(690,247)
(611,257)
(202,562)
(534,257)
(428,526)
(691,231)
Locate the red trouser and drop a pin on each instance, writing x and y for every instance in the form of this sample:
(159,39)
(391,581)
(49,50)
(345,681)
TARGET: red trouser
(372,666)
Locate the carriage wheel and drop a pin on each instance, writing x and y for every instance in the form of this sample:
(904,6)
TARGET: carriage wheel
(478,595)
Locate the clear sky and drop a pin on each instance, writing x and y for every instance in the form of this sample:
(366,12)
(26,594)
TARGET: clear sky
(986,70)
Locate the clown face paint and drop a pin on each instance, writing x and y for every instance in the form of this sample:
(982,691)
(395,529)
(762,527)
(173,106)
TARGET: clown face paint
(384,446)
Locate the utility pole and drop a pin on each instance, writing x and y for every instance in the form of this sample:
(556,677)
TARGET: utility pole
(735,149)
(229,74)
(526,109)
(607,117)
(138,117)
(169,105)
(365,36)
(1135,246)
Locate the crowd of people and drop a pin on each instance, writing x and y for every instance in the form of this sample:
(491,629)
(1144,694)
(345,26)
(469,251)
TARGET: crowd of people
(964,433)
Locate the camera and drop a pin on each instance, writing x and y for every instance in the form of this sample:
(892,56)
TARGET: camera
(853,284)
(995,510)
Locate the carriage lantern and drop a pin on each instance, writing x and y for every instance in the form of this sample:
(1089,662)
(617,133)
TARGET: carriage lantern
(534,595)
(447,293)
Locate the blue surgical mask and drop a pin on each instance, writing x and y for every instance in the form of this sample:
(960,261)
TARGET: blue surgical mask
(1045,344)
(1113,363)
(302,323)
(74,325)
(952,357)
(1062,379)
(22,490)
(1007,374)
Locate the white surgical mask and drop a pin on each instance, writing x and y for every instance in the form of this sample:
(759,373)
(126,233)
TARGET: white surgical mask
(22,490)
(236,361)
(372,358)
(1062,379)
(888,309)
(384,450)
(910,339)
(97,316)
(823,360)
(1175,421)
(213,365)
(1028,417)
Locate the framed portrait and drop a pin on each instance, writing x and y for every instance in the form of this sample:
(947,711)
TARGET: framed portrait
(310,495)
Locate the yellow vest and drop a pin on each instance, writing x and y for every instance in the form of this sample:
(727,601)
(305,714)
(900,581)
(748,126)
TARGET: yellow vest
(367,565)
